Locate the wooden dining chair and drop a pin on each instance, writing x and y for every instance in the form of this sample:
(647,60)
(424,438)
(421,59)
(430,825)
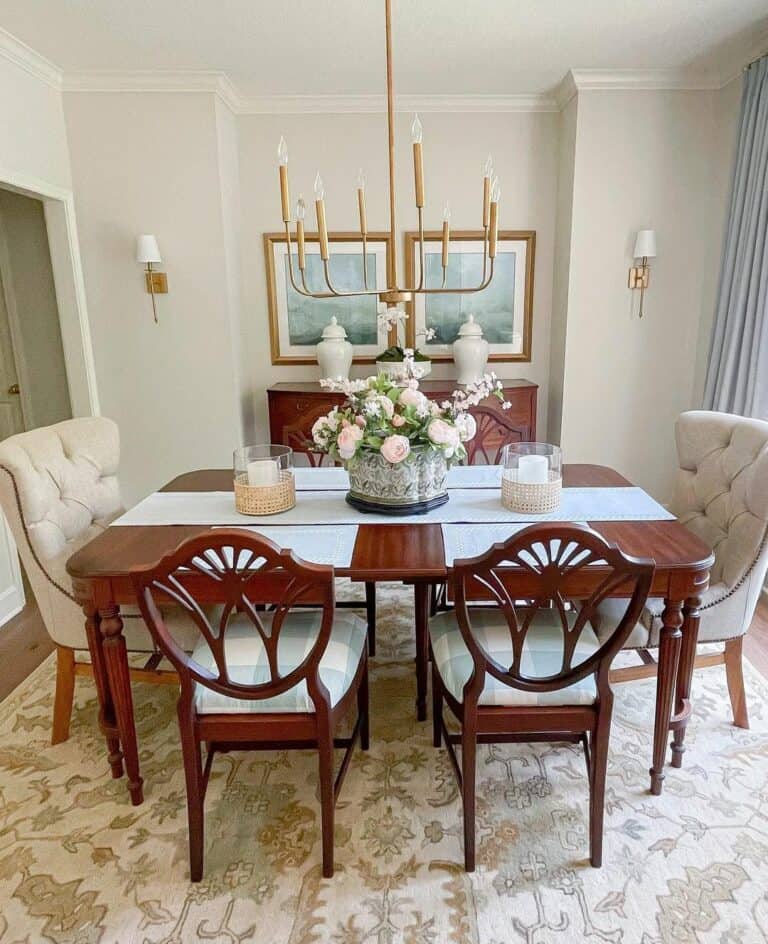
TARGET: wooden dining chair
(271,674)
(512,672)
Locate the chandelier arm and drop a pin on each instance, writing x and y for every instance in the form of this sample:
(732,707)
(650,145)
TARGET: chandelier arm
(302,291)
(334,293)
(461,291)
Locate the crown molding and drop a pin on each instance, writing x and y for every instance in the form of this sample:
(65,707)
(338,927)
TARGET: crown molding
(659,80)
(212,83)
(26,58)
(218,83)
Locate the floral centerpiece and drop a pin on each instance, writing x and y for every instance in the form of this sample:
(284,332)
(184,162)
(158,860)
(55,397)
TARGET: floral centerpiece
(395,443)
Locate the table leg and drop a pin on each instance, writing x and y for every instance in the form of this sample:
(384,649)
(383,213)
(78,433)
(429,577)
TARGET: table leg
(116,659)
(685,678)
(422,603)
(669,657)
(106,708)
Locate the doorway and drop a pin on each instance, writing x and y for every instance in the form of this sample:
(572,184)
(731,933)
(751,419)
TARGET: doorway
(34,389)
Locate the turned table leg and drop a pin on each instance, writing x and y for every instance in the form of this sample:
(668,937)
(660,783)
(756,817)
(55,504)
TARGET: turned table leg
(685,678)
(422,604)
(116,658)
(669,657)
(106,708)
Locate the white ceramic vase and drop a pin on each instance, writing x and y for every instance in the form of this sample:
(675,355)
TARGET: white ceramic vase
(334,352)
(470,352)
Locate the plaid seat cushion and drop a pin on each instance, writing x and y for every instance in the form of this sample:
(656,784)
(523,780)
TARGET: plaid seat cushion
(247,661)
(542,656)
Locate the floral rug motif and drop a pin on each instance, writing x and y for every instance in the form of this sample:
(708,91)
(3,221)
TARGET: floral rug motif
(79,865)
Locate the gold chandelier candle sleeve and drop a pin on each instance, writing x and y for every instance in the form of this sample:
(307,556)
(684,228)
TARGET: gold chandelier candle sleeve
(446,241)
(284,194)
(361,210)
(300,241)
(494,215)
(486,200)
(322,231)
(418,173)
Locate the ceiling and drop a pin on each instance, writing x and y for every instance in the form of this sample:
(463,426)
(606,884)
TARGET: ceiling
(335,47)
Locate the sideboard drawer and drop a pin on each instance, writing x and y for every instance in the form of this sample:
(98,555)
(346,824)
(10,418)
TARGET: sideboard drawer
(294,408)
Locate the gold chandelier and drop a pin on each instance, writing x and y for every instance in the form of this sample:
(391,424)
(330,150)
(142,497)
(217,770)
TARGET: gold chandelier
(394,294)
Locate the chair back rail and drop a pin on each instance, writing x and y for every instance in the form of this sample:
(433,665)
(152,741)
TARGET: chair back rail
(555,560)
(243,572)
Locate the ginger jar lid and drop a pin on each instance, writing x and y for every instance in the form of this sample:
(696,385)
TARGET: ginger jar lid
(470,329)
(334,330)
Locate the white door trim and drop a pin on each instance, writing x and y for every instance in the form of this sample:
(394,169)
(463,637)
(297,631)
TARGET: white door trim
(12,598)
(59,208)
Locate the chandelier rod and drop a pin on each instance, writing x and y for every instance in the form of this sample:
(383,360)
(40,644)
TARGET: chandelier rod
(392,281)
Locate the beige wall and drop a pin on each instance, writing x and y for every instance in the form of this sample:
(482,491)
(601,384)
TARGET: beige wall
(151,164)
(25,265)
(524,147)
(643,160)
(33,140)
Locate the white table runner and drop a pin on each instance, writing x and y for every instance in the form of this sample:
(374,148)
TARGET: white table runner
(471,540)
(327,545)
(471,506)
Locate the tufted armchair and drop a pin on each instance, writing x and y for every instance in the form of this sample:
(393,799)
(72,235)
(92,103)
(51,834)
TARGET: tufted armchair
(721,494)
(58,490)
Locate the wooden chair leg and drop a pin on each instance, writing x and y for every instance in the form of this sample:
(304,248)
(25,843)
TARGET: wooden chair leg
(193,772)
(734,673)
(597,775)
(468,776)
(325,752)
(65,694)
(370,614)
(363,712)
(437,708)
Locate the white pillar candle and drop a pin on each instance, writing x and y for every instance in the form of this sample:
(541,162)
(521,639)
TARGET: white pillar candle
(533,470)
(263,472)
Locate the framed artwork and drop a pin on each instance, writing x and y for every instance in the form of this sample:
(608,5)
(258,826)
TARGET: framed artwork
(504,309)
(296,322)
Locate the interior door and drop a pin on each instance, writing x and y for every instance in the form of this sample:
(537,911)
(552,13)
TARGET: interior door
(11,417)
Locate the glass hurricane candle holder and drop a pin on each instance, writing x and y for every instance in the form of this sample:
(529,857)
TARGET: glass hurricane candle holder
(531,477)
(264,483)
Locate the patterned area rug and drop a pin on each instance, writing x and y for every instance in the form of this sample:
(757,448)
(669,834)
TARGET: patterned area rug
(79,864)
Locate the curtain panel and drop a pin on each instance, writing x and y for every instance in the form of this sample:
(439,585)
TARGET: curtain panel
(737,376)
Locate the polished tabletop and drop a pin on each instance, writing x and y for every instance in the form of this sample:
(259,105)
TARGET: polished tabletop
(385,551)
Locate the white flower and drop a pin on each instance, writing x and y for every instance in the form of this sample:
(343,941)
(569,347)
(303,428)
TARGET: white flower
(466,425)
(376,404)
(444,434)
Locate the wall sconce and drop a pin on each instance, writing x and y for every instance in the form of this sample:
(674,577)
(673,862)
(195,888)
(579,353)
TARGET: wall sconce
(645,249)
(148,254)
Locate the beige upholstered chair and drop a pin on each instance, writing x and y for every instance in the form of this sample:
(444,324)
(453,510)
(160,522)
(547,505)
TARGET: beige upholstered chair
(58,490)
(721,494)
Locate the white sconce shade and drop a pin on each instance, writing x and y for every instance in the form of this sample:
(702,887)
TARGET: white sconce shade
(147,250)
(645,244)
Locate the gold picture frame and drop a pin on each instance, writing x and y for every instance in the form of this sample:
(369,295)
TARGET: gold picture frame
(295,322)
(516,252)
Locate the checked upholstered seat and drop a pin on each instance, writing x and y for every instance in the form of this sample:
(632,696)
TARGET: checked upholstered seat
(247,662)
(542,656)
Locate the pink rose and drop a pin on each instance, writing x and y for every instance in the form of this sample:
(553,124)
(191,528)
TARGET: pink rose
(398,420)
(444,435)
(395,448)
(411,397)
(360,420)
(348,439)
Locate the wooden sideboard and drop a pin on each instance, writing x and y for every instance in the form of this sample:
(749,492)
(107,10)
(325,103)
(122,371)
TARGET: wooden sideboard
(294,407)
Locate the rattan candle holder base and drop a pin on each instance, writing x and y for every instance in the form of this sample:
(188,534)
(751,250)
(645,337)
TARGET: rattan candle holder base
(531,499)
(265,499)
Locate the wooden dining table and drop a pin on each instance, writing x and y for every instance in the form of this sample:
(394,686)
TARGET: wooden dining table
(411,553)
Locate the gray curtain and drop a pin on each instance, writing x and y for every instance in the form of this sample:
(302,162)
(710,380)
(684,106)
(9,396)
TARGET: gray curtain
(737,377)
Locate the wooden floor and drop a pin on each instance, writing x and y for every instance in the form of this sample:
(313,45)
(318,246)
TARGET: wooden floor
(24,644)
